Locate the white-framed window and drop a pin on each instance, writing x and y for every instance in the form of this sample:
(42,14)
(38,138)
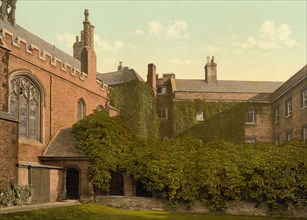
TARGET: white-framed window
(276,115)
(289,136)
(163,113)
(304,98)
(161,89)
(25,105)
(200,116)
(250,116)
(288,107)
(304,134)
(81,109)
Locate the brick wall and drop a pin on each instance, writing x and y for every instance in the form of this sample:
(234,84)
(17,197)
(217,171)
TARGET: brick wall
(261,131)
(4,59)
(8,151)
(296,120)
(61,93)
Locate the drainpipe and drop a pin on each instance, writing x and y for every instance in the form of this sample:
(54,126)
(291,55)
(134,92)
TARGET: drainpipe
(50,113)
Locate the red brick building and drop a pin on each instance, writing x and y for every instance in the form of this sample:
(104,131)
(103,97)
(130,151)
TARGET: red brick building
(44,91)
(261,125)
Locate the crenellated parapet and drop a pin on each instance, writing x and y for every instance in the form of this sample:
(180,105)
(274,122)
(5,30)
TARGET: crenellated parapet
(46,59)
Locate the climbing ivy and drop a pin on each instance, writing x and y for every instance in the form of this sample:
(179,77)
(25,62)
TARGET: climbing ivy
(185,169)
(222,120)
(136,103)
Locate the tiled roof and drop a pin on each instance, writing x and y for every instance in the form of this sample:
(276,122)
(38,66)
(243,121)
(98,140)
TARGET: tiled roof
(119,77)
(296,78)
(227,86)
(62,145)
(30,38)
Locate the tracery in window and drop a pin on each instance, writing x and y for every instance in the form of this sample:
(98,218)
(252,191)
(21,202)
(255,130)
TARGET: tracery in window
(25,105)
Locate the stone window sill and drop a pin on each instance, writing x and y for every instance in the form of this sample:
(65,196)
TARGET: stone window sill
(26,141)
(250,123)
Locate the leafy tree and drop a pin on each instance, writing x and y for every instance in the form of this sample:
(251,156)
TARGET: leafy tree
(106,141)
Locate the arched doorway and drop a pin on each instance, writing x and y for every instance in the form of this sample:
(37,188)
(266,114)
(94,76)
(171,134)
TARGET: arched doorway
(72,183)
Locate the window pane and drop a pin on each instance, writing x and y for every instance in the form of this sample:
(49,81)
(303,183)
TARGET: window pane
(33,120)
(13,105)
(25,103)
(23,117)
(250,116)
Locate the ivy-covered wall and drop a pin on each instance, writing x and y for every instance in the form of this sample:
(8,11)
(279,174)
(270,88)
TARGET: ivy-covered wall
(136,103)
(222,120)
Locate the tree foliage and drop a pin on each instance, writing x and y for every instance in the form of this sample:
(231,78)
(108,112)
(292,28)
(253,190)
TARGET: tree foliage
(106,141)
(186,169)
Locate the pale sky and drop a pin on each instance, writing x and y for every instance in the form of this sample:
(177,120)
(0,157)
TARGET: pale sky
(250,40)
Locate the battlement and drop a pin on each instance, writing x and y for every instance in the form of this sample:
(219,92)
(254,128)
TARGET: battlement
(32,53)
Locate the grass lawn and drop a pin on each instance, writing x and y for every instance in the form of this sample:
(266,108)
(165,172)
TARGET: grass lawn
(96,211)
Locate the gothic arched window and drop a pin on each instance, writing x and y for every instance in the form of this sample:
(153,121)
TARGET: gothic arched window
(25,105)
(81,109)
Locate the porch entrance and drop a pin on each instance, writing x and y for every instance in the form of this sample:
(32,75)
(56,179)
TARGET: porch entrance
(72,183)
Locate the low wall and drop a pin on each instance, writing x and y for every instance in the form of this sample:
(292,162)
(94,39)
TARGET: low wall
(233,207)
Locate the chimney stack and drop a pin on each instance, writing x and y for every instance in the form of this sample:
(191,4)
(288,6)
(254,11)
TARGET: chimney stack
(152,77)
(211,71)
(120,66)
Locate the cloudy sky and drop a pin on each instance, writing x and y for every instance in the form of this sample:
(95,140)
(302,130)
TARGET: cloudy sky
(251,40)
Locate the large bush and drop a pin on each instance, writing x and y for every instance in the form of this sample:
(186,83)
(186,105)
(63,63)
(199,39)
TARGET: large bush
(105,140)
(185,169)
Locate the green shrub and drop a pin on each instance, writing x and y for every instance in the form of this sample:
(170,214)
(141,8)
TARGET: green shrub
(185,169)
(16,195)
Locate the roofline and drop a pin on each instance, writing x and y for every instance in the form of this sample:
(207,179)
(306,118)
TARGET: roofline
(292,86)
(215,100)
(31,165)
(235,81)
(56,158)
(201,91)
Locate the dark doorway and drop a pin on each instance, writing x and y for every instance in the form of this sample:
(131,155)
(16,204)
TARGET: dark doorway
(117,184)
(141,191)
(72,183)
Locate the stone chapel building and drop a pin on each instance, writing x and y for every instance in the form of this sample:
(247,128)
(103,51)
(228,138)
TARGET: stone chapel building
(43,92)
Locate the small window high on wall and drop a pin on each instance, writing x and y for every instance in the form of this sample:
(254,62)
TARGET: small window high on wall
(81,109)
(25,105)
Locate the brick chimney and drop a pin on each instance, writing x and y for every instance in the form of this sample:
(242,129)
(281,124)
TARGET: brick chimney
(120,66)
(152,77)
(210,71)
